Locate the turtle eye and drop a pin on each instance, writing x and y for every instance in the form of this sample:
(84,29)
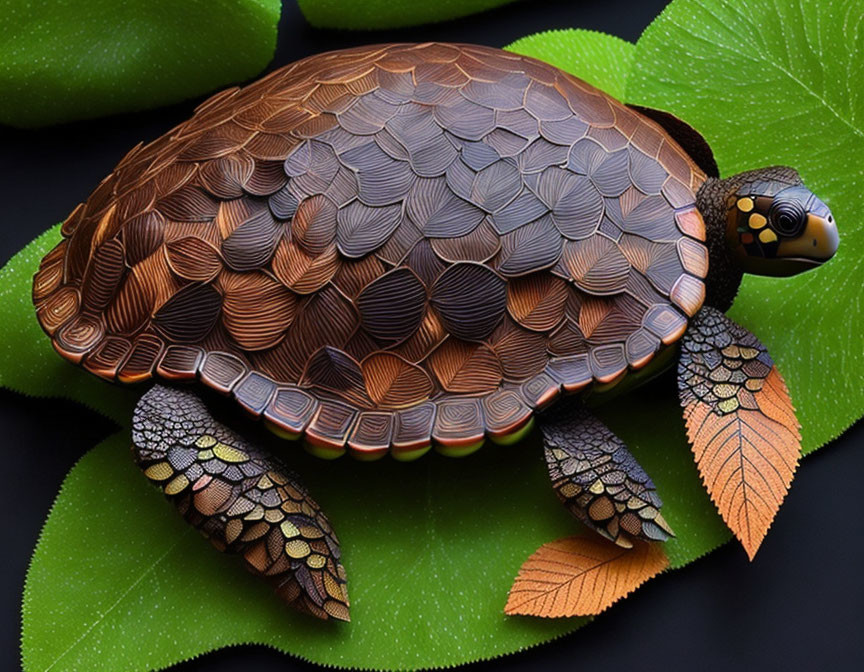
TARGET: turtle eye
(787,217)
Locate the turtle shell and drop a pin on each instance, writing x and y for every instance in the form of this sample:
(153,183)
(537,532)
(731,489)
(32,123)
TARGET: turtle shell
(385,244)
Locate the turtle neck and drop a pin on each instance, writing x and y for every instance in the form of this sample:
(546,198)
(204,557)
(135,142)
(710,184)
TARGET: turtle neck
(724,275)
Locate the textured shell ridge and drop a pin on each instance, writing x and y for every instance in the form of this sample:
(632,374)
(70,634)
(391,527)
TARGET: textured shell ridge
(386,244)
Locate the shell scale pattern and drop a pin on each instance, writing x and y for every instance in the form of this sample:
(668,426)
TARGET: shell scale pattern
(385,244)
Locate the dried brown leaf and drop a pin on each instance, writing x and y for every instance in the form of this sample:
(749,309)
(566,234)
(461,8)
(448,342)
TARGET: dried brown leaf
(581,576)
(747,458)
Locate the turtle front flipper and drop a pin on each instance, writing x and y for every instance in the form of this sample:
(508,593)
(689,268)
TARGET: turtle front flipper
(598,479)
(740,422)
(241,498)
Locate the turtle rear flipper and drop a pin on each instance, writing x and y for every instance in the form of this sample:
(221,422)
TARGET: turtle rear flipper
(240,498)
(598,479)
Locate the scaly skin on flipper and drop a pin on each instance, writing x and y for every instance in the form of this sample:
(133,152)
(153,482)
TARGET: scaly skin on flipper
(242,499)
(598,479)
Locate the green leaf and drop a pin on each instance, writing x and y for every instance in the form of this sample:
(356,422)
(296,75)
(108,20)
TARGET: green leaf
(62,60)
(378,14)
(600,59)
(768,82)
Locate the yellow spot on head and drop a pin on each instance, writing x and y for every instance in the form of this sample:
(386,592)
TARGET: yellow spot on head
(745,204)
(757,221)
(767,236)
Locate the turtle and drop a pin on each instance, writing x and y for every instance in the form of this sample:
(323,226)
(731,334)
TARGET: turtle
(390,247)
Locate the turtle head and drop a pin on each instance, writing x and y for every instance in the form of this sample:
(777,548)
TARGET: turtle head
(774,225)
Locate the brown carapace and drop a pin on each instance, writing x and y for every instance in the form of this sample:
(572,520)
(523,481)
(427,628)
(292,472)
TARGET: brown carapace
(384,245)
(390,246)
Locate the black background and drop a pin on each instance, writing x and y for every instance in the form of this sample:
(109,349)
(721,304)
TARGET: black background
(797,607)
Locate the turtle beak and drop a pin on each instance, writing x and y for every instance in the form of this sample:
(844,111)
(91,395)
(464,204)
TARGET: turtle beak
(813,247)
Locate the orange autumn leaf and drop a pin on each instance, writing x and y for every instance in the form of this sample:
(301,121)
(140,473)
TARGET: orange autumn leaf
(747,458)
(581,576)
